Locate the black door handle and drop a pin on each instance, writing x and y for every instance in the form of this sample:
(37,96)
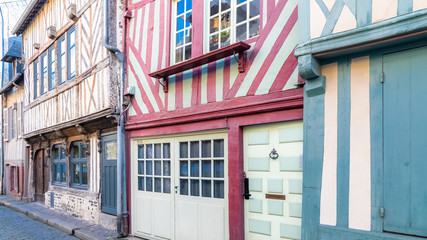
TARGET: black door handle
(247,194)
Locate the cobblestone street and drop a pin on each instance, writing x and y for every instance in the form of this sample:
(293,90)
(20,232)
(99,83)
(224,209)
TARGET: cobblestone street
(15,225)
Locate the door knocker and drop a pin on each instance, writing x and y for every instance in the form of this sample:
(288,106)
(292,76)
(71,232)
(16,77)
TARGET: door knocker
(274,155)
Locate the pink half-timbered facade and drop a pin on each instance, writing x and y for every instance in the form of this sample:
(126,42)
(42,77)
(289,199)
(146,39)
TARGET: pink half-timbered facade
(215,151)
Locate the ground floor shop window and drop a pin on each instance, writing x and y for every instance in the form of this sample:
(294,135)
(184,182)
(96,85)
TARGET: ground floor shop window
(78,165)
(58,165)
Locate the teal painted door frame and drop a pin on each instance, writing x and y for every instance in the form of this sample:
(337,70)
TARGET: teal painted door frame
(108,177)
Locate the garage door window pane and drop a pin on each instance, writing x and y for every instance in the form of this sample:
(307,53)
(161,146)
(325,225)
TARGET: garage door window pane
(194,149)
(166,185)
(140,151)
(195,187)
(166,150)
(183,150)
(141,183)
(183,168)
(195,168)
(140,167)
(157,150)
(206,168)
(149,185)
(219,148)
(206,188)
(158,168)
(149,167)
(206,149)
(183,186)
(149,152)
(166,168)
(218,189)
(219,168)
(157,184)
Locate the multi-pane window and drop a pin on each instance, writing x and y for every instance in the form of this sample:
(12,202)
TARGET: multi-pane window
(71,53)
(36,78)
(13,124)
(183,31)
(154,167)
(232,21)
(62,61)
(58,165)
(201,168)
(52,68)
(44,76)
(78,165)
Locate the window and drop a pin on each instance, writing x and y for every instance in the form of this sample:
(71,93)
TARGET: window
(13,124)
(183,19)
(71,53)
(44,66)
(52,68)
(58,165)
(78,165)
(36,78)
(61,60)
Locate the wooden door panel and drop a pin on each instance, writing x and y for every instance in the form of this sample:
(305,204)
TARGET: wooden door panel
(39,170)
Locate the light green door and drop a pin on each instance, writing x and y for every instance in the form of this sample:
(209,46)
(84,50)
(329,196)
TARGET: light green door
(273,210)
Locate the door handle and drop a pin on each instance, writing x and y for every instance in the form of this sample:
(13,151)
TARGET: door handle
(247,194)
(176,189)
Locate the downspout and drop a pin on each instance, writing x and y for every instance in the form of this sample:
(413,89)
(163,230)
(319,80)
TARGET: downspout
(1,102)
(121,173)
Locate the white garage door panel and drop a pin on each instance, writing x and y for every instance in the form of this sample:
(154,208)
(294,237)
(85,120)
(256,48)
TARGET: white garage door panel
(162,218)
(212,227)
(144,214)
(188,217)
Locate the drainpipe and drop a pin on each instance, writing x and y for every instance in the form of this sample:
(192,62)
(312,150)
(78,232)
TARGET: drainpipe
(1,114)
(121,173)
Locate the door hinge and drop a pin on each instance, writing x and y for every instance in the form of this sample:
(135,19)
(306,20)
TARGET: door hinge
(382,77)
(382,212)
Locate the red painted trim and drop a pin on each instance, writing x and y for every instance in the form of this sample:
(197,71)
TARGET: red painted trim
(162,28)
(195,93)
(211,83)
(135,106)
(141,89)
(274,51)
(178,91)
(168,33)
(260,42)
(285,73)
(270,7)
(226,78)
(198,20)
(239,106)
(139,4)
(150,30)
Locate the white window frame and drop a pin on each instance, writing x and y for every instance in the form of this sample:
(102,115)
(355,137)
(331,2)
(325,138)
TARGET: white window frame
(173,32)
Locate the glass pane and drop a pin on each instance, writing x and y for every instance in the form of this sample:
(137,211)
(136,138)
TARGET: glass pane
(219,148)
(84,173)
(180,38)
(166,168)
(157,168)
(76,173)
(225,4)
(180,23)
(240,1)
(195,188)
(82,150)
(180,7)
(62,153)
(241,33)
(183,168)
(141,183)
(188,36)
(183,149)
(111,150)
(254,28)
(214,25)
(187,52)
(188,19)
(225,20)
(218,189)
(149,184)
(254,9)
(219,168)
(149,152)
(166,150)
(194,149)
(213,42)
(141,151)
(189,5)
(149,167)
(157,184)
(206,188)
(75,152)
(63,178)
(206,168)
(72,37)
(57,173)
(140,167)
(225,38)
(55,153)
(179,55)
(166,185)
(183,186)
(214,7)
(195,168)
(206,148)
(157,150)
(241,14)
(73,62)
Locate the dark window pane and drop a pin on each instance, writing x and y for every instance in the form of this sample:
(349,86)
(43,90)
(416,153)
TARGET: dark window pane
(62,153)
(225,20)
(158,168)
(187,52)
(195,188)
(183,149)
(183,168)
(149,184)
(206,188)
(64,179)
(84,173)
(219,148)
(166,150)
(241,1)
(214,7)
(219,168)
(183,186)
(157,184)
(254,9)
(83,151)
(188,35)
(157,150)
(149,152)
(213,42)
(241,14)
(55,153)
(206,168)
(241,32)
(57,173)
(166,168)
(225,4)
(188,19)
(218,189)
(179,54)
(141,183)
(76,175)
(194,149)
(206,148)
(214,25)
(195,168)
(149,167)
(180,39)
(140,167)
(75,152)
(140,151)
(166,185)
(254,28)
(225,38)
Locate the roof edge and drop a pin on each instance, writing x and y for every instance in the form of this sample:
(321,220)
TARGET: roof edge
(24,17)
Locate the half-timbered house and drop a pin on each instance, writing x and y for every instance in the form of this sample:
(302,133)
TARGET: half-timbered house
(364,119)
(214,131)
(70,106)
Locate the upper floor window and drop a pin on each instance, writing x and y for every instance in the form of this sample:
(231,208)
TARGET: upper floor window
(36,78)
(78,165)
(58,165)
(71,53)
(183,32)
(44,65)
(52,68)
(61,60)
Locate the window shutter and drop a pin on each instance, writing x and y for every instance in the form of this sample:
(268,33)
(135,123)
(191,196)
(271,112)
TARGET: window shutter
(5,124)
(19,120)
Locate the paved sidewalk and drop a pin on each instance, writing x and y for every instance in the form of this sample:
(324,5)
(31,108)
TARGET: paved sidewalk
(66,223)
